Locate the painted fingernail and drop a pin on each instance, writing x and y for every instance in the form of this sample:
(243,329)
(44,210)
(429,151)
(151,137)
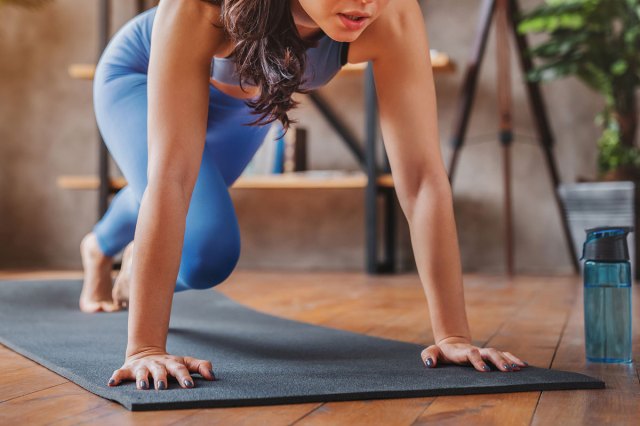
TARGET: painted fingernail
(525,363)
(111,381)
(515,366)
(485,367)
(161,385)
(188,383)
(506,367)
(143,384)
(212,375)
(429,362)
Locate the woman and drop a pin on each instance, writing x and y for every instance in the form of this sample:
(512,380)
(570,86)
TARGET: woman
(179,136)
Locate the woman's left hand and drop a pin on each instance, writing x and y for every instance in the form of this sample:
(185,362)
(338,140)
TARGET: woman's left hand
(458,350)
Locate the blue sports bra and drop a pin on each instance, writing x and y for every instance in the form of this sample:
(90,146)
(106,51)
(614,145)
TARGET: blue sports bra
(323,63)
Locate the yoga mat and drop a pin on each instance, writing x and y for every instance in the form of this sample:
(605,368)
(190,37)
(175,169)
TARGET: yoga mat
(258,359)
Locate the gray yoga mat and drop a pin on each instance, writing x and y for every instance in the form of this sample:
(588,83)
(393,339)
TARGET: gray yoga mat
(258,359)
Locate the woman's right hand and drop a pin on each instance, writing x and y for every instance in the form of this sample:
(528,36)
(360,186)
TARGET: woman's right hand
(158,363)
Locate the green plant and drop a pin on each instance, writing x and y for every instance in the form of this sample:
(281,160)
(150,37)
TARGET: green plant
(598,41)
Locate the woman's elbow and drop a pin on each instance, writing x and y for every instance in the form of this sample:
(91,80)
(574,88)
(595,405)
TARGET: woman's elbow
(423,192)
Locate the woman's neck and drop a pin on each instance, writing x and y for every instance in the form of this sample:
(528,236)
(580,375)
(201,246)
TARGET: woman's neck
(307,28)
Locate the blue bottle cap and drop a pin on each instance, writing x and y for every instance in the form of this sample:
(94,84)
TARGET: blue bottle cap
(606,243)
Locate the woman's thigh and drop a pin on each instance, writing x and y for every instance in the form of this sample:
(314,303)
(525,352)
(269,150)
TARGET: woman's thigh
(211,243)
(231,143)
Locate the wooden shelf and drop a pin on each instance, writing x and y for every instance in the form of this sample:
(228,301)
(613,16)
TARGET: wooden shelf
(441,62)
(82,182)
(303,180)
(297,180)
(82,71)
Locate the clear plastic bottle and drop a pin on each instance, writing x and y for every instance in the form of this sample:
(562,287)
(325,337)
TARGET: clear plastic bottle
(607,295)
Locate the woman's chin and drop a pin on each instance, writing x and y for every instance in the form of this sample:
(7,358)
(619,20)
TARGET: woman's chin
(343,36)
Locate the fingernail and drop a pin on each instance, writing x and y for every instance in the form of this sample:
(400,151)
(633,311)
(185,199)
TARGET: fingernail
(515,366)
(188,383)
(429,362)
(485,367)
(506,367)
(212,375)
(161,385)
(111,381)
(143,384)
(525,363)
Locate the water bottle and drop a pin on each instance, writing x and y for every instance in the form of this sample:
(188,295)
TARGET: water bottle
(607,294)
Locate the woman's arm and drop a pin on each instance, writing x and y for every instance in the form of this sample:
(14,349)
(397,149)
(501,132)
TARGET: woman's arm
(183,42)
(399,50)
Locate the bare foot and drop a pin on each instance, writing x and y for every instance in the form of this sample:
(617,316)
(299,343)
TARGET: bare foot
(120,293)
(96,289)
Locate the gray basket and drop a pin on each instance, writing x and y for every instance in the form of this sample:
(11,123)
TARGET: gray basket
(588,205)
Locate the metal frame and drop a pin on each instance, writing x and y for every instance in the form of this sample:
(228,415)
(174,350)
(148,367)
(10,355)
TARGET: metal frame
(104,189)
(507,10)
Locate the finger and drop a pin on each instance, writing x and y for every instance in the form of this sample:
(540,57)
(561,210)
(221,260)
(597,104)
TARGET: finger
(119,375)
(476,360)
(180,372)
(200,366)
(159,374)
(142,376)
(496,357)
(430,356)
(510,363)
(514,359)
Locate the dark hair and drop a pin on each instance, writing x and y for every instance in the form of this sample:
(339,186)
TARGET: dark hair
(269,53)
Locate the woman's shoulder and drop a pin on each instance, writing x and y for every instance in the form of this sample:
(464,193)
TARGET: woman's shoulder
(383,32)
(211,11)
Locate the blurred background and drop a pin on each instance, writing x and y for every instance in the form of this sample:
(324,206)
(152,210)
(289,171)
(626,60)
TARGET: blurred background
(47,129)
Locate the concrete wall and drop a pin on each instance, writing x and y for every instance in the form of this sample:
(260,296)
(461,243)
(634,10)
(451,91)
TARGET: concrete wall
(47,129)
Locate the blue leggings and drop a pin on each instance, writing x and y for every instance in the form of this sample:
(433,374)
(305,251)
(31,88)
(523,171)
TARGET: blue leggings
(212,239)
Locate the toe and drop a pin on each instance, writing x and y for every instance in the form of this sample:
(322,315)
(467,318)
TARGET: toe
(109,307)
(89,307)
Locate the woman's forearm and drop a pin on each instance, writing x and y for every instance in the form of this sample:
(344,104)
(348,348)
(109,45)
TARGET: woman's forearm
(159,238)
(435,245)
(183,41)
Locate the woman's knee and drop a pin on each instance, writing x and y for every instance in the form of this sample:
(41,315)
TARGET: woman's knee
(210,266)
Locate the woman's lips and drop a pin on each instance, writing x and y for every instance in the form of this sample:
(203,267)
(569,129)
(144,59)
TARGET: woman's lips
(351,24)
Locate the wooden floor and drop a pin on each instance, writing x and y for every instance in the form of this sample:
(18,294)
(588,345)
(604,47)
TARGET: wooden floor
(536,318)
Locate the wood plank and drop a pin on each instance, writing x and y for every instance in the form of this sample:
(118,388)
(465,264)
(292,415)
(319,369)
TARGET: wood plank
(618,404)
(382,317)
(13,361)
(441,63)
(82,71)
(114,414)
(50,405)
(524,316)
(262,415)
(303,180)
(88,182)
(411,323)
(25,274)
(396,411)
(294,180)
(541,318)
(18,382)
